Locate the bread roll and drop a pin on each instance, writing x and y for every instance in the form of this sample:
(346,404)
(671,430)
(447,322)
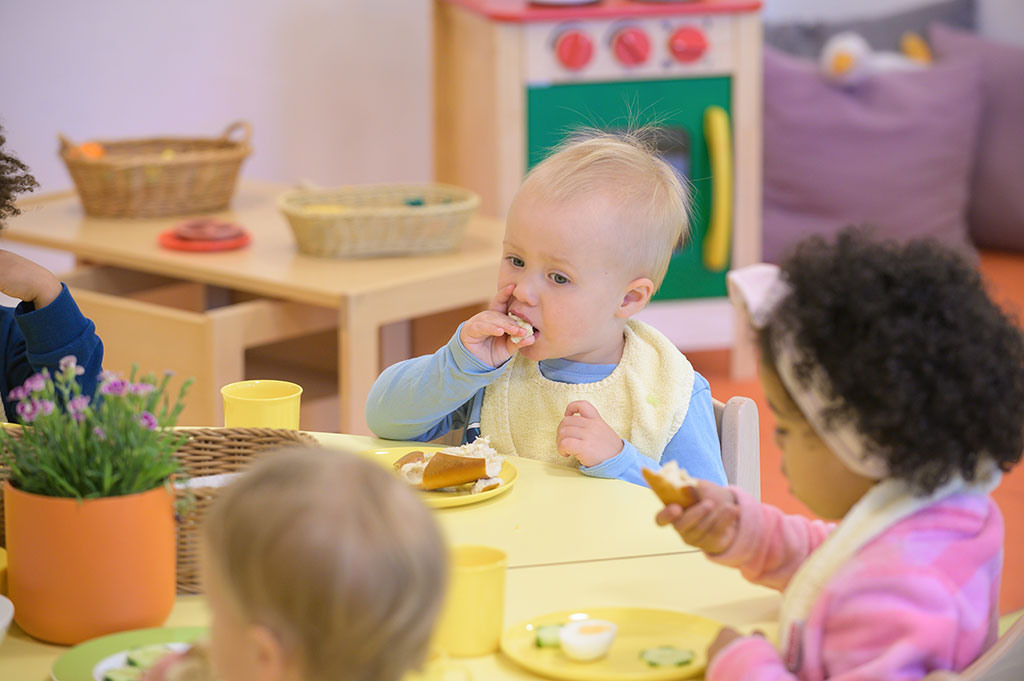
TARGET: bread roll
(672,484)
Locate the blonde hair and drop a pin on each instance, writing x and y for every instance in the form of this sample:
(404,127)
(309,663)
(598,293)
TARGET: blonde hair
(651,198)
(340,560)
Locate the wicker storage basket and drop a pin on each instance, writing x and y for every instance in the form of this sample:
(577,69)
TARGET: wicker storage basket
(158,176)
(378,220)
(208,451)
(211,451)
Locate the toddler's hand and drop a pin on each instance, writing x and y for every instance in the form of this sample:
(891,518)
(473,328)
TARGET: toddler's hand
(25,280)
(487,333)
(585,435)
(711,524)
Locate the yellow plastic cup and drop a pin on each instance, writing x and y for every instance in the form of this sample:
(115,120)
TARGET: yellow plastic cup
(474,610)
(261,404)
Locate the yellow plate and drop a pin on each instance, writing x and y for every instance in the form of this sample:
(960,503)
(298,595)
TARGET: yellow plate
(389,455)
(638,629)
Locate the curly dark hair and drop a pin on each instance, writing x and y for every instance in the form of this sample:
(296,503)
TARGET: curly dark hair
(929,369)
(14,180)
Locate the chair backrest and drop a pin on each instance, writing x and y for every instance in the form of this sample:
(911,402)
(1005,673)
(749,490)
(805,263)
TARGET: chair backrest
(741,443)
(1004,661)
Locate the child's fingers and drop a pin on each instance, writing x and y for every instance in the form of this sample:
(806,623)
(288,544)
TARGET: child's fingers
(715,493)
(710,527)
(669,514)
(492,323)
(570,446)
(583,408)
(499,303)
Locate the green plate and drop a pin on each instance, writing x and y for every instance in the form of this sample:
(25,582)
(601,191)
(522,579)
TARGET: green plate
(88,661)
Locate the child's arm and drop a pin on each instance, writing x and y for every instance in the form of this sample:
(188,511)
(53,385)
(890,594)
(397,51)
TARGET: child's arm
(425,397)
(694,447)
(764,543)
(46,327)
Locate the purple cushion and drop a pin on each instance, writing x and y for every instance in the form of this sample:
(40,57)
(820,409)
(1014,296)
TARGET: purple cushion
(895,152)
(995,212)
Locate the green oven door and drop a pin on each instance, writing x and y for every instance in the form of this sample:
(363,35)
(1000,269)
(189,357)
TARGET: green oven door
(676,105)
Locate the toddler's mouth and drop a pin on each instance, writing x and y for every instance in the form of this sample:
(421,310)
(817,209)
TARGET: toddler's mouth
(526,325)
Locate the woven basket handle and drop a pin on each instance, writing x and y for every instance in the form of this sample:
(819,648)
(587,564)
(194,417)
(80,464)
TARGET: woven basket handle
(244,126)
(65,143)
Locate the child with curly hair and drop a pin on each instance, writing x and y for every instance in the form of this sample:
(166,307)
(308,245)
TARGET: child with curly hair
(47,325)
(587,242)
(898,391)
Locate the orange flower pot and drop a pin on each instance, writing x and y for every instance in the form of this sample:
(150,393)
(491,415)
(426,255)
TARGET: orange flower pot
(77,570)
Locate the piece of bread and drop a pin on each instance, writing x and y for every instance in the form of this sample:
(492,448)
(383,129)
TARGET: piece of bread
(672,484)
(448,470)
(523,323)
(411,457)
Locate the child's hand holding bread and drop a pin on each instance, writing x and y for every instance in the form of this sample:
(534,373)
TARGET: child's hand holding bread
(704,514)
(489,335)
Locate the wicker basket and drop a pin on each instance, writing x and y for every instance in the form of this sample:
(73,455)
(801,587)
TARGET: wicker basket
(158,176)
(208,451)
(379,220)
(211,451)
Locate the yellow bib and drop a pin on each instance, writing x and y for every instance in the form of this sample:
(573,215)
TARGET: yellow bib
(644,400)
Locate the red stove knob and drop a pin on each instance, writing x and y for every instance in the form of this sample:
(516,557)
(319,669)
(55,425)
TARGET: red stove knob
(688,44)
(631,46)
(574,49)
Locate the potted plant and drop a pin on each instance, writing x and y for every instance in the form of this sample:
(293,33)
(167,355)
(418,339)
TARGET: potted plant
(89,504)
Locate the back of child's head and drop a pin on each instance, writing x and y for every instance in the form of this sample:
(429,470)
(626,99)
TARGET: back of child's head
(336,557)
(650,199)
(14,180)
(921,362)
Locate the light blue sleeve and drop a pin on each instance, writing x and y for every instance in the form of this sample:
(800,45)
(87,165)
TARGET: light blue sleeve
(695,446)
(425,397)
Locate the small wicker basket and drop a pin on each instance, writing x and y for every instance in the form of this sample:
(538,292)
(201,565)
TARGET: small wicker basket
(379,220)
(158,176)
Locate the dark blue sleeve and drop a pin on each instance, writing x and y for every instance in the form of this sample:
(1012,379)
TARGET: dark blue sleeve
(41,338)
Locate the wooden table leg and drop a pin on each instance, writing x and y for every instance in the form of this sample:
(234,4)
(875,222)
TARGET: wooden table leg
(358,363)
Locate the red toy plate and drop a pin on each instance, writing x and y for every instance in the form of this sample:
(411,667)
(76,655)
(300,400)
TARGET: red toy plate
(168,239)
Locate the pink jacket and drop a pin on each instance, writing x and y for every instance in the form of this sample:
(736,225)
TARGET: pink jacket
(919,597)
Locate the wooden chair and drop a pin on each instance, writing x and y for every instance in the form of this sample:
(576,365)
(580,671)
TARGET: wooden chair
(741,443)
(1004,661)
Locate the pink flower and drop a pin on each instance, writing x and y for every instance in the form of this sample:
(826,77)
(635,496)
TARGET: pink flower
(69,363)
(30,410)
(99,432)
(76,407)
(35,383)
(115,387)
(19,393)
(148,420)
(142,388)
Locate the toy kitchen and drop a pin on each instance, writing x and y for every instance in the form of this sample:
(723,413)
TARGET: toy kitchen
(512,78)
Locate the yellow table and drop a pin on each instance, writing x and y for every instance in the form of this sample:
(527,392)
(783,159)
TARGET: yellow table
(179,323)
(573,543)
(551,514)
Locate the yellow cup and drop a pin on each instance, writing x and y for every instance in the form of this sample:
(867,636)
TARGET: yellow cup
(261,404)
(474,610)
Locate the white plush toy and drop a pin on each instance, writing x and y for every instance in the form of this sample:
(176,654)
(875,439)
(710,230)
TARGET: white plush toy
(848,60)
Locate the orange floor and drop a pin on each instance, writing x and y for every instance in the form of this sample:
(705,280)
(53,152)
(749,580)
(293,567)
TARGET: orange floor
(1005,275)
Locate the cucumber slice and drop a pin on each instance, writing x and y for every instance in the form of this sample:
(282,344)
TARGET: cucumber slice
(123,674)
(145,657)
(549,636)
(666,656)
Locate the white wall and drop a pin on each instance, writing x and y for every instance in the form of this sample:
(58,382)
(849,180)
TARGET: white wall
(336,91)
